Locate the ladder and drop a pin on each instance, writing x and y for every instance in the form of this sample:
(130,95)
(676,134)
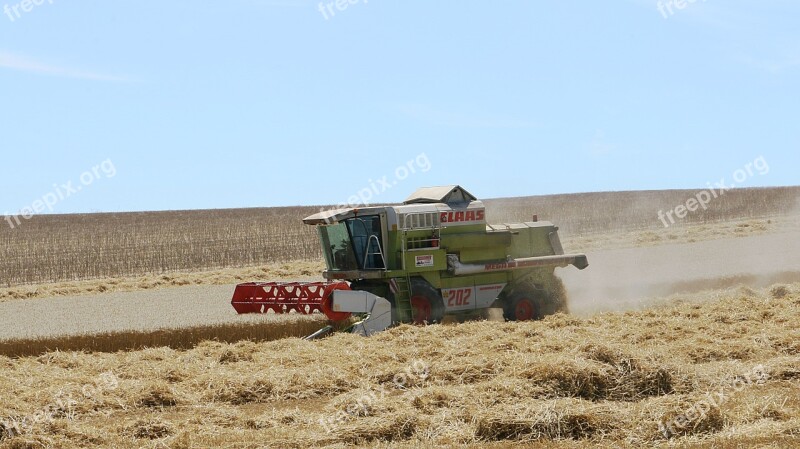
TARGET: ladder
(401,288)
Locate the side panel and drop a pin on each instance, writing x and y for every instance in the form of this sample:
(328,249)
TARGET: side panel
(459,298)
(485,295)
(474,255)
(484,289)
(531,239)
(476,240)
(469,298)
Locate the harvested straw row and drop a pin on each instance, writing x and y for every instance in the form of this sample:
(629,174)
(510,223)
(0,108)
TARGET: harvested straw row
(183,338)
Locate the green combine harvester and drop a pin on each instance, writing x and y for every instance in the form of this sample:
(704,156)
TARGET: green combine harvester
(435,255)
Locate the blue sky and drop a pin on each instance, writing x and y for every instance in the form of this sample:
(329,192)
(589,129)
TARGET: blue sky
(248,103)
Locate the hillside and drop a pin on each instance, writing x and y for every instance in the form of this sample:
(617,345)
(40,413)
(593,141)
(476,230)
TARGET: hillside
(56,248)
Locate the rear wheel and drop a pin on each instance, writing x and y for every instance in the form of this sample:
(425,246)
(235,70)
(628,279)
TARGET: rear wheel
(534,302)
(427,305)
(522,307)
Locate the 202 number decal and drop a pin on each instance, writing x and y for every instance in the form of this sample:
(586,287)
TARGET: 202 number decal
(459,297)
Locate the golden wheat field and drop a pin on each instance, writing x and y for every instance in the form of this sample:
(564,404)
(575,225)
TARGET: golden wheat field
(713,368)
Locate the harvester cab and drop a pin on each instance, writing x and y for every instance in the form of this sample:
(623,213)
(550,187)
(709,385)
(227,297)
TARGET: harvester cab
(433,255)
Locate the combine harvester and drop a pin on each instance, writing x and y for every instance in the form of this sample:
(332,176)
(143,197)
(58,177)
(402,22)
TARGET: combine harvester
(414,263)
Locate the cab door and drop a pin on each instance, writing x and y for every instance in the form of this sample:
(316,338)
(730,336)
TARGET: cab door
(367,238)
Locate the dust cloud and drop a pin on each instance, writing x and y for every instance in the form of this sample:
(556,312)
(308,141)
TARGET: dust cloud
(635,278)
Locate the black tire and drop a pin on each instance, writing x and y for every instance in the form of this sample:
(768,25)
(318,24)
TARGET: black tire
(423,292)
(523,306)
(531,302)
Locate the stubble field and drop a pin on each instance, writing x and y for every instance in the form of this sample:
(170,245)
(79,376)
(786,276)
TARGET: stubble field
(720,369)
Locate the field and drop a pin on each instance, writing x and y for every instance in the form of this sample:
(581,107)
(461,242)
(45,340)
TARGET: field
(719,370)
(701,362)
(59,248)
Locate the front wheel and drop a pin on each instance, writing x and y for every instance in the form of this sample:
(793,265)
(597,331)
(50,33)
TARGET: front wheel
(427,305)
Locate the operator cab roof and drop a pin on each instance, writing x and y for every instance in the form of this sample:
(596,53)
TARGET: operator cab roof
(445,194)
(445,198)
(333,216)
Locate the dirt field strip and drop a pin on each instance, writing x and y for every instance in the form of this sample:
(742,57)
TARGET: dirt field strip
(171,308)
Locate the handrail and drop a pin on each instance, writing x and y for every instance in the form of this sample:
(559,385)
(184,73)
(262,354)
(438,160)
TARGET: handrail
(380,250)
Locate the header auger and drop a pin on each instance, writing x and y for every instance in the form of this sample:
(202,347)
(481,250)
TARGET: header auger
(414,263)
